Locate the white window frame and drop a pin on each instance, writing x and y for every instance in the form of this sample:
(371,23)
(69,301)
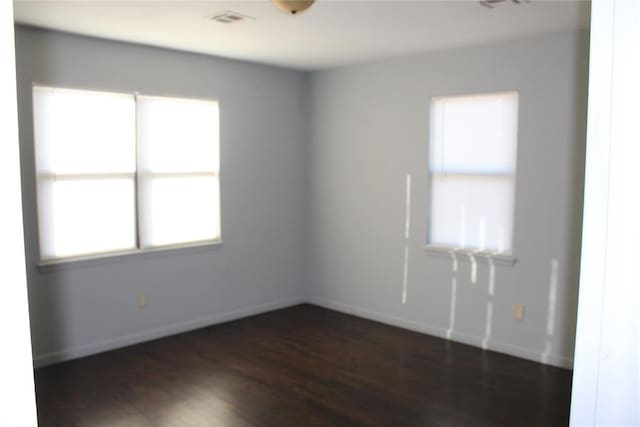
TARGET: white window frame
(467,253)
(105,256)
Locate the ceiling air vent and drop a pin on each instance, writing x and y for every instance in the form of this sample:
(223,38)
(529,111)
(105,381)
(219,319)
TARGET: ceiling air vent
(229,17)
(492,3)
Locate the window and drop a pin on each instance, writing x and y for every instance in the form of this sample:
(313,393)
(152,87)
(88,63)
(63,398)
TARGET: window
(178,161)
(120,172)
(472,169)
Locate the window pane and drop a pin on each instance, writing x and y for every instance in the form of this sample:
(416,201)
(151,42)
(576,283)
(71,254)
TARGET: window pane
(474,133)
(80,217)
(470,211)
(178,135)
(183,209)
(83,131)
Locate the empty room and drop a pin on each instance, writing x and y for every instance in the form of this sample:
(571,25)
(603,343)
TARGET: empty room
(329,213)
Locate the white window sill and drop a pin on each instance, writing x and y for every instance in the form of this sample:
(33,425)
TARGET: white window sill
(54,264)
(469,254)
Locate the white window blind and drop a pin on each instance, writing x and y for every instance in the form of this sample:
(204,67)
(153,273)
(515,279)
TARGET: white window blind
(116,172)
(85,166)
(472,168)
(178,150)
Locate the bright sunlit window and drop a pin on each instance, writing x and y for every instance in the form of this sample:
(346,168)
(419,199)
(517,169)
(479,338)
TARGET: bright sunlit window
(472,170)
(178,165)
(119,172)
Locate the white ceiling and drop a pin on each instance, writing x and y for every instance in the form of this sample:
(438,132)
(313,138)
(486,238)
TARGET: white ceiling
(330,34)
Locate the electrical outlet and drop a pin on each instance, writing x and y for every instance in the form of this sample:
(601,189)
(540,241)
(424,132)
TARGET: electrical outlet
(142,300)
(518,311)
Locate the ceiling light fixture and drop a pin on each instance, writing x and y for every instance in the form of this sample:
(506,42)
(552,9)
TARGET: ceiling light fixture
(293,6)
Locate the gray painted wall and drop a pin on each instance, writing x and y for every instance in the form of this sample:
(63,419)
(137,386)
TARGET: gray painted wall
(90,307)
(313,188)
(369,130)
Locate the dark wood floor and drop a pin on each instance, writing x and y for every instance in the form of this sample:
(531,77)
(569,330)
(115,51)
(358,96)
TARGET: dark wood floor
(302,366)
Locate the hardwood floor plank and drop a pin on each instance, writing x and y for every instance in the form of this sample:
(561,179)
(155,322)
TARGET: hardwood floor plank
(302,366)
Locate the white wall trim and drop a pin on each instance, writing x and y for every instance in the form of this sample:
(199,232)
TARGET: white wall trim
(17,392)
(606,380)
(476,341)
(161,332)
(41,360)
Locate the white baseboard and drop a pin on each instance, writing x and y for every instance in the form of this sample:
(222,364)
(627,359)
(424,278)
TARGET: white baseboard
(164,331)
(476,341)
(176,328)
